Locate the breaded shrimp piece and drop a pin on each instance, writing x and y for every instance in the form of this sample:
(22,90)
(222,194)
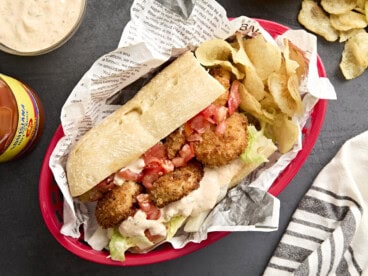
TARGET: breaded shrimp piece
(222,100)
(99,190)
(223,77)
(219,149)
(174,142)
(117,204)
(177,184)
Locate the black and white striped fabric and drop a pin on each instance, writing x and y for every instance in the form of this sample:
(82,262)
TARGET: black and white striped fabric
(328,233)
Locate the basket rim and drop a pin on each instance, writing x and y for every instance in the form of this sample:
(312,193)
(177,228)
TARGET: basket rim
(166,252)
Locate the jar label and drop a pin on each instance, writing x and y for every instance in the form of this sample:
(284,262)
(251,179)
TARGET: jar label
(28,119)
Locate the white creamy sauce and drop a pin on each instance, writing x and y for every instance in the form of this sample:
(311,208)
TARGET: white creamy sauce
(207,195)
(33,25)
(135,226)
(210,191)
(136,166)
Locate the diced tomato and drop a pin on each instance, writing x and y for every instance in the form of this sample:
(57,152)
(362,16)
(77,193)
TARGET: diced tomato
(154,213)
(234,97)
(129,175)
(159,166)
(151,174)
(187,152)
(167,165)
(178,161)
(147,206)
(158,151)
(220,128)
(152,160)
(220,115)
(106,185)
(209,113)
(199,123)
(153,167)
(212,115)
(152,238)
(144,202)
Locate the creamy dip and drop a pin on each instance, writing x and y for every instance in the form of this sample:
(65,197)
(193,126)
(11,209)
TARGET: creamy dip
(35,25)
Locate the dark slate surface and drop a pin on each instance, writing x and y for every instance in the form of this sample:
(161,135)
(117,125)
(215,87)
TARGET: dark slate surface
(27,247)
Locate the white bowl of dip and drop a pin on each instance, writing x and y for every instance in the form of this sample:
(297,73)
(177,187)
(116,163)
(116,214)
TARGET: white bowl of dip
(35,27)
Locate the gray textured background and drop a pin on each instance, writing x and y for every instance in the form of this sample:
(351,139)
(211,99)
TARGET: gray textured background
(27,247)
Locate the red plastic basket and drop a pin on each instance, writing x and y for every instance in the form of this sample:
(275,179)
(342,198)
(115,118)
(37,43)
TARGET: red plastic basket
(51,199)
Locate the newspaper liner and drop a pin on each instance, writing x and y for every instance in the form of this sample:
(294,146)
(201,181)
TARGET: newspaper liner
(159,30)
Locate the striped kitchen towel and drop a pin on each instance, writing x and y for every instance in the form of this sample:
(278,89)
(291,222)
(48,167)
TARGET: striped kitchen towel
(328,233)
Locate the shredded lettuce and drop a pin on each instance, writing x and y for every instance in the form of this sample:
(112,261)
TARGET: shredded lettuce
(173,225)
(255,140)
(119,245)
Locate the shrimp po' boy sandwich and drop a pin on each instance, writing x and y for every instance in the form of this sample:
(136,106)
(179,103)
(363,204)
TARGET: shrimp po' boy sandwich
(165,158)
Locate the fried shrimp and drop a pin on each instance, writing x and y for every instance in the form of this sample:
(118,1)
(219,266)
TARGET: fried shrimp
(219,149)
(117,204)
(222,76)
(174,142)
(177,184)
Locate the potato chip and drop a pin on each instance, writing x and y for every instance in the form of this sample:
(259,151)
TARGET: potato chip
(285,132)
(249,103)
(292,52)
(293,88)
(252,81)
(316,20)
(288,66)
(217,52)
(355,56)
(234,45)
(285,93)
(338,7)
(240,56)
(347,21)
(266,57)
(366,10)
(268,103)
(360,4)
(254,84)
(346,35)
(214,50)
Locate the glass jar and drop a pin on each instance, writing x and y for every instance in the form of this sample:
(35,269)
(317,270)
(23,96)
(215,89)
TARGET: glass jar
(21,118)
